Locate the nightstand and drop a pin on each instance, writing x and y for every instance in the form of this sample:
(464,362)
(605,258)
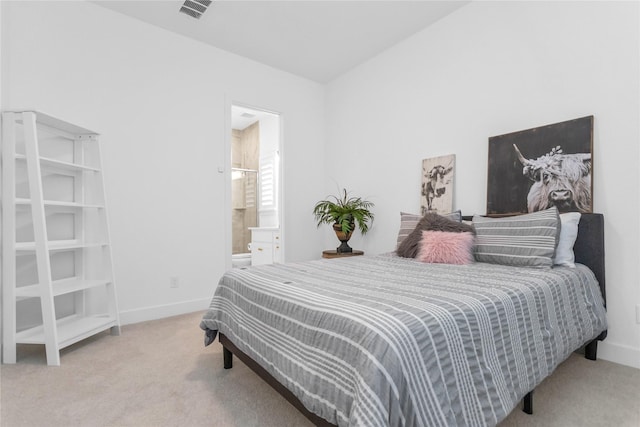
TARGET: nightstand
(334,254)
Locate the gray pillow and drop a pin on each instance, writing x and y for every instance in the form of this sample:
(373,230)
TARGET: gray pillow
(409,221)
(528,240)
(410,246)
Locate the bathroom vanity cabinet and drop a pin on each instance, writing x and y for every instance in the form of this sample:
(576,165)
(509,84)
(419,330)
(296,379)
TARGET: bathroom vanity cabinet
(265,245)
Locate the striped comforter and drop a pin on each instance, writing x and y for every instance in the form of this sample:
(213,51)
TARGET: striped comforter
(389,341)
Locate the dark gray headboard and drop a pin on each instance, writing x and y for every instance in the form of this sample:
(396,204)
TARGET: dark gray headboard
(589,246)
(589,250)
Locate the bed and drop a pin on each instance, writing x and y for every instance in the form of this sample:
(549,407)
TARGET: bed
(390,341)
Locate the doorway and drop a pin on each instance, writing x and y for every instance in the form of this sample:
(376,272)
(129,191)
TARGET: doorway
(255,170)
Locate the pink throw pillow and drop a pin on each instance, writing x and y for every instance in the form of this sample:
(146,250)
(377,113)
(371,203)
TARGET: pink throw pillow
(445,247)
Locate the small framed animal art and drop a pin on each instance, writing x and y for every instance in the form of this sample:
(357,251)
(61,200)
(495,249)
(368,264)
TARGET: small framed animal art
(535,169)
(437,184)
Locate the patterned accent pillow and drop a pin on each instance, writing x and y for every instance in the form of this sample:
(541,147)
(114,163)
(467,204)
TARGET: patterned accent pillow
(409,221)
(445,247)
(527,240)
(409,247)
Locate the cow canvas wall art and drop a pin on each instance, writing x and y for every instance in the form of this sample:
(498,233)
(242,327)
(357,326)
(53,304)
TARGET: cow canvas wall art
(535,169)
(437,184)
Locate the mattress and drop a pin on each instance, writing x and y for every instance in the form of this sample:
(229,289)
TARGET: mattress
(390,341)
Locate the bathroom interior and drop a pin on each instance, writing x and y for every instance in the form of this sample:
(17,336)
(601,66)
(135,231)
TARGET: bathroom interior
(254,146)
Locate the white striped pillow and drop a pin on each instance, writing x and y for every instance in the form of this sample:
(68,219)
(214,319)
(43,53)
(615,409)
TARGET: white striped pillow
(528,240)
(409,221)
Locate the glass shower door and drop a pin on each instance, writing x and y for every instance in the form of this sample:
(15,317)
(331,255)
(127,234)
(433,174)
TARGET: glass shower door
(244,200)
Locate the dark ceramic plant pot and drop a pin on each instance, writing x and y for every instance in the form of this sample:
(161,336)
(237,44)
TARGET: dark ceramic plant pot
(344,238)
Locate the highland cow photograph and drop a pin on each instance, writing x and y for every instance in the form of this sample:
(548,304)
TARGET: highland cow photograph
(535,169)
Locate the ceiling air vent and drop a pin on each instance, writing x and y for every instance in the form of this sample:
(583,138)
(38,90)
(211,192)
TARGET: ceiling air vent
(195,8)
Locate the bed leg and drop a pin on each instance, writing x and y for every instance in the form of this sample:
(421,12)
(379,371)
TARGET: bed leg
(591,350)
(227,357)
(527,403)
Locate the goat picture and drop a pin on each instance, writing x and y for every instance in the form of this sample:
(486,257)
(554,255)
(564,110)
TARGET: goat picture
(437,184)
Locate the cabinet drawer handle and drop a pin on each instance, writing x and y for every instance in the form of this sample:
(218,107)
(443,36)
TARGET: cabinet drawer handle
(260,249)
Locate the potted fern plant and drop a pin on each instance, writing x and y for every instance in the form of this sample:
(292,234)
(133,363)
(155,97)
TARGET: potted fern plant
(344,213)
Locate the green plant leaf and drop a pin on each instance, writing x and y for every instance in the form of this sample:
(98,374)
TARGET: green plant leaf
(345,211)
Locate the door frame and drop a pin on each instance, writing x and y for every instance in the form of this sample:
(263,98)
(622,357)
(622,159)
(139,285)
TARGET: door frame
(229,103)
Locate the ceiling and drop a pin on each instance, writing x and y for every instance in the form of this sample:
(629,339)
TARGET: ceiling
(243,117)
(317,40)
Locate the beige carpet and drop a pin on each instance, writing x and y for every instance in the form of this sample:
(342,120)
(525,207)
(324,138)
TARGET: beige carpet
(159,374)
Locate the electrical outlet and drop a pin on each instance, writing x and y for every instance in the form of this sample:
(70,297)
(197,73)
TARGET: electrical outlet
(638,314)
(174,282)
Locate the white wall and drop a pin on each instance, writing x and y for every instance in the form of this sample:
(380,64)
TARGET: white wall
(161,100)
(491,68)
(162,104)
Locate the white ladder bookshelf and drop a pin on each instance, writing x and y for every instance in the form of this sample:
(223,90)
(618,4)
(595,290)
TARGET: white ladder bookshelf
(57,273)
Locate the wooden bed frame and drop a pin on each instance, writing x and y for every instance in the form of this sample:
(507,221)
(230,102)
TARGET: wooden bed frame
(588,250)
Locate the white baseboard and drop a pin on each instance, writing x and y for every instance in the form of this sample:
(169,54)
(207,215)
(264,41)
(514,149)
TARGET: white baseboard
(618,353)
(161,311)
